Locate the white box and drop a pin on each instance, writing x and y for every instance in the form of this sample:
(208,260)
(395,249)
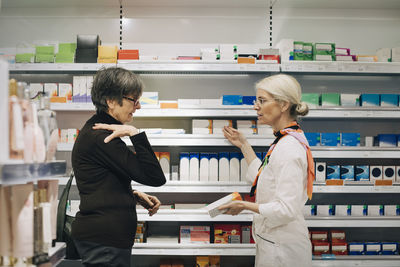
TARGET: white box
(243,168)
(324,210)
(391,210)
(307,211)
(204,167)
(384,54)
(264,130)
(219,124)
(202,126)
(184,167)
(149,98)
(369,141)
(194,167)
(165,163)
(65,90)
(51,89)
(64,136)
(350,100)
(211,102)
(320,172)
(234,167)
(375,173)
(247,127)
(389,173)
(83,87)
(213,167)
(213,207)
(374,210)
(194,234)
(89,84)
(223,166)
(357,210)
(342,210)
(76,85)
(71,136)
(184,103)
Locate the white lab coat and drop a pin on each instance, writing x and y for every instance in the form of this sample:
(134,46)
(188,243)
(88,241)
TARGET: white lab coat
(280,230)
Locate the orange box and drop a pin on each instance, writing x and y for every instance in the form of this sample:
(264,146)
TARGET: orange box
(129,54)
(246,60)
(58,99)
(269,57)
(107,51)
(188,58)
(202,261)
(215,261)
(157,155)
(173,104)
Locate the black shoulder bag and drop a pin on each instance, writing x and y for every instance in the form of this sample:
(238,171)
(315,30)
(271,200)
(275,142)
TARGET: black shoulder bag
(64,223)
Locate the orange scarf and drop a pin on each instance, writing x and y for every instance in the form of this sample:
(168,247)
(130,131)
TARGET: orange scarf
(294,130)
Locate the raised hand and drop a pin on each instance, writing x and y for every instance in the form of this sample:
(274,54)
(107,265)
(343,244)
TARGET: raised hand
(234,136)
(119,130)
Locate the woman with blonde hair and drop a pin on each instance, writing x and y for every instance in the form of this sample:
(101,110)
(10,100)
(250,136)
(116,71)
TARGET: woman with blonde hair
(283,181)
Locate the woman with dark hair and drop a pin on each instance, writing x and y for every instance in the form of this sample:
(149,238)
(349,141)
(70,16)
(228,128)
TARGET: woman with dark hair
(104,167)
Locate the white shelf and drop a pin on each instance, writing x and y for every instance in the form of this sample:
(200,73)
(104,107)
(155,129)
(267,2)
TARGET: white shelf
(365,261)
(21,173)
(384,221)
(58,67)
(195,187)
(337,67)
(356,152)
(193,249)
(354,188)
(354,113)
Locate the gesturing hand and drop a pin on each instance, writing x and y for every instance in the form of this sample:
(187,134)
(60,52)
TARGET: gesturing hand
(234,136)
(119,130)
(151,203)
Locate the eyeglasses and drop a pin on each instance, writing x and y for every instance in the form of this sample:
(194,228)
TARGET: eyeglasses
(134,101)
(261,101)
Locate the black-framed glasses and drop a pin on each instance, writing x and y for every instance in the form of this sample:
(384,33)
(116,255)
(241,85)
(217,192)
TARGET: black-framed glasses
(134,101)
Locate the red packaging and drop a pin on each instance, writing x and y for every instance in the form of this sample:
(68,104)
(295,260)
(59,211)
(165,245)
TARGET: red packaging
(227,233)
(320,248)
(274,58)
(339,248)
(321,236)
(337,236)
(128,54)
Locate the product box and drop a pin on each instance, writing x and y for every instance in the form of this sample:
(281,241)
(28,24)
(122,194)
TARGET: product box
(194,234)
(51,89)
(375,210)
(330,139)
(247,127)
(165,163)
(308,211)
(333,172)
(373,248)
(184,166)
(397,174)
(314,139)
(213,167)
(362,173)
(232,100)
(389,100)
(384,54)
(320,236)
(389,173)
(188,103)
(204,166)
(265,130)
(346,58)
(227,233)
(342,51)
(356,248)
(249,100)
(149,98)
(307,51)
(298,50)
(390,248)
(128,54)
(347,172)
(202,126)
(337,236)
(339,248)
(213,207)
(223,166)
(343,210)
(367,58)
(312,100)
(387,140)
(376,173)
(215,261)
(65,91)
(89,85)
(234,166)
(330,99)
(246,234)
(168,103)
(35,89)
(392,210)
(320,172)
(320,248)
(325,210)
(370,100)
(359,210)
(350,139)
(202,261)
(194,164)
(218,125)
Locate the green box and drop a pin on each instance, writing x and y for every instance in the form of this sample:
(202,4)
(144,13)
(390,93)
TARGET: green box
(330,99)
(45,50)
(64,58)
(298,50)
(40,58)
(308,51)
(312,100)
(24,58)
(66,48)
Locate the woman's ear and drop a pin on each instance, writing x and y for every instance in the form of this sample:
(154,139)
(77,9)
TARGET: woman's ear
(110,104)
(285,106)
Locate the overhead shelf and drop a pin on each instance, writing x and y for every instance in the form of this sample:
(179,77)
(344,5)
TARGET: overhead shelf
(57,67)
(194,249)
(337,67)
(356,152)
(384,221)
(20,173)
(364,260)
(195,187)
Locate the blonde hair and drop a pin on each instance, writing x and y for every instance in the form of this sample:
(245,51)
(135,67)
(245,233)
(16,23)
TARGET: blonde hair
(285,88)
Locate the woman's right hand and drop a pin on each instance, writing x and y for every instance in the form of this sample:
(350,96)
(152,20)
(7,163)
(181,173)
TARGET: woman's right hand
(119,130)
(234,136)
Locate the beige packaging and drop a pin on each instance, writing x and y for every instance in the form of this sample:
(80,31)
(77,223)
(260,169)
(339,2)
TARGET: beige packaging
(22,220)
(51,187)
(5,221)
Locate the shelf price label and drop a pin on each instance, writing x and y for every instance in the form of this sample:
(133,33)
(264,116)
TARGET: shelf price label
(334,182)
(383,182)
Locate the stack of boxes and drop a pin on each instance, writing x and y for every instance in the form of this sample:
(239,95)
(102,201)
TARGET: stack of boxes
(302,51)
(66,53)
(44,54)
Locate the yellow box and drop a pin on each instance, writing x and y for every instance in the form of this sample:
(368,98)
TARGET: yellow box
(107,51)
(106,60)
(246,60)
(202,261)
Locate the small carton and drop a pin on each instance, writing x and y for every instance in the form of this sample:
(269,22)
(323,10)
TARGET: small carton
(213,207)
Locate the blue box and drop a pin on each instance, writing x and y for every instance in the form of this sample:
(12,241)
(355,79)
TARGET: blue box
(350,139)
(232,100)
(370,100)
(389,100)
(390,248)
(223,155)
(347,172)
(333,172)
(330,139)
(356,248)
(314,139)
(361,173)
(373,248)
(314,210)
(259,155)
(387,140)
(194,155)
(249,100)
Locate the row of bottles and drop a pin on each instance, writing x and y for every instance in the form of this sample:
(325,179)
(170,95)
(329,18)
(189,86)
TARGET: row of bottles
(33,129)
(28,218)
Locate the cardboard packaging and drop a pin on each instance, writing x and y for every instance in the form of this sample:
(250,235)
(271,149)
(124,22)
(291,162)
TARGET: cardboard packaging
(373,248)
(227,233)
(389,100)
(389,173)
(223,164)
(165,163)
(243,167)
(343,210)
(376,210)
(330,139)
(213,167)
(234,167)
(202,126)
(184,166)
(347,172)
(213,207)
(376,173)
(356,248)
(370,100)
(330,99)
(339,248)
(333,172)
(312,100)
(387,140)
(202,261)
(314,139)
(359,210)
(149,98)
(194,234)
(232,100)
(350,139)
(362,173)
(204,167)
(194,165)
(320,248)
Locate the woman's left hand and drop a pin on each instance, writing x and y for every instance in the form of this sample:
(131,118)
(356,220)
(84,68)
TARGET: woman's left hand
(233,208)
(119,130)
(151,203)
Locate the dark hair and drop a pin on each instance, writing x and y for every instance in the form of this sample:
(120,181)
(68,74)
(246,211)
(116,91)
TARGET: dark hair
(113,84)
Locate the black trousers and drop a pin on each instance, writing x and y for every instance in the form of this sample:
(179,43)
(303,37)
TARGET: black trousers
(96,255)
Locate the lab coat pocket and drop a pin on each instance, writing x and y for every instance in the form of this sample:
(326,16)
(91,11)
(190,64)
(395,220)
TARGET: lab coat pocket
(267,251)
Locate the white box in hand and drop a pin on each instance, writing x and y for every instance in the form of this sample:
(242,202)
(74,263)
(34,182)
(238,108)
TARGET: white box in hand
(213,207)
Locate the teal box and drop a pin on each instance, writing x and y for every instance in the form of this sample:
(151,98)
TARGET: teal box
(330,99)
(350,139)
(370,100)
(389,100)
(312,100)
(347,172)
(333,172)
(232,100)
(361,173)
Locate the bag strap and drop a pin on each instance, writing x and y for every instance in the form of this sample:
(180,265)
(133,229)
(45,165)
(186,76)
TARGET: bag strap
(62,209)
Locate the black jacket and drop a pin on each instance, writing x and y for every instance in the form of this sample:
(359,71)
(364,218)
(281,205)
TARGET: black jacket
(104,173)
